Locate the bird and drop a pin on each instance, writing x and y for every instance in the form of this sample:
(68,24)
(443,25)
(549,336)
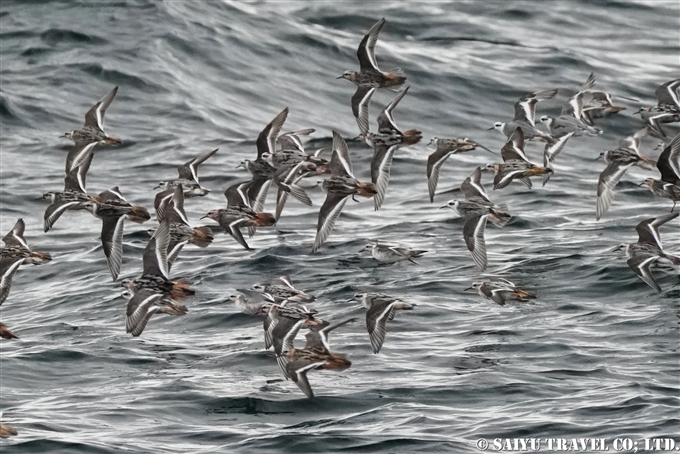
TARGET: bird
(286,324)
(15,253)
(475,210)
(188,177)
(445,148)
(369,75)
(181,233)
(667,109)
(145,303)
(155,273)
(279,293)
(516,165)
(618,161)
(566,124)
(261,170)
(385,143)
(501,291)
(338,187)
(571,119)
(668,164)
(74,196)
(246,307)
(475,213)
(286,308)
(292,149)
(301,361)
(239,213)
(317,335)
(525,116)
(286,179)
(111,207)
(598,104)
(392,254)
(648,250)
(388,133)
(380,309)
(93,129)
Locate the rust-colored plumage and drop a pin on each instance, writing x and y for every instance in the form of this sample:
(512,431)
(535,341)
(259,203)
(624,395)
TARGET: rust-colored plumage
(180,289)
(6,334)
(202,236)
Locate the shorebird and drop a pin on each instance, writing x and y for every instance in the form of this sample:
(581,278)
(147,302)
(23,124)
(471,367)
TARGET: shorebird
(279,293)
(370,76)
(648,251)
(516,165)
(618,161)
(111,207)
(392,254)
(667,109)
(571,119)
(155,274)
(338,187)
(300,362)
(501,291)
(669,166)
(446,148)
(15,253)
(525,116)
(188,177)
(380,309)
(143,304)
(385,143)
(239,213)
(181,232)
(93,129)
(73,197)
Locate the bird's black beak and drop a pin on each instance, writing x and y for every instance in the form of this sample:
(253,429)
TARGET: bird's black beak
(469,288)
(489,129)
(484,148)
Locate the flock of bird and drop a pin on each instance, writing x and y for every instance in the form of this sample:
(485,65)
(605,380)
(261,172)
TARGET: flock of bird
(282,159)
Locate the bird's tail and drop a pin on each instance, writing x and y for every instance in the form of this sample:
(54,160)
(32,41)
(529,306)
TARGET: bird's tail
(500,215)
(202,236)
(523,294)
(180,289)
(172,308)
(367,189)
(395,78)
(138,214)
(37,258)
(412,137)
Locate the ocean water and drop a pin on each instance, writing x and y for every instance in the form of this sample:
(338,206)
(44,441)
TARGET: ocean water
(594,356)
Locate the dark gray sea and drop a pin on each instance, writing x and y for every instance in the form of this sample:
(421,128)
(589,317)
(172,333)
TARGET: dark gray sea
(596,355)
